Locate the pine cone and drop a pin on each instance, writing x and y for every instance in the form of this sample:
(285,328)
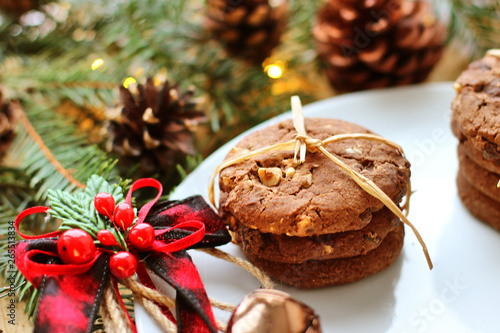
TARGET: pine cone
(377,43)
(155,129)
(8,121)
(248,28)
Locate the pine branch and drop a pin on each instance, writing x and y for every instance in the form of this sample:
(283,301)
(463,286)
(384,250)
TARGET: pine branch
(46,151)
(60,78)
(476,24)
(55,159)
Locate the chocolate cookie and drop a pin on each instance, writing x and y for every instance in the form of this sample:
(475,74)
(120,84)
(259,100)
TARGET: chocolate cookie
(323,273)
(292,249)
(272,194)
(476,107)
(483,180)
(492,165)
(480,205)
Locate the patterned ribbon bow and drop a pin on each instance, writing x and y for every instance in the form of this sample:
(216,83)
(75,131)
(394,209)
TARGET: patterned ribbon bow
(70,294)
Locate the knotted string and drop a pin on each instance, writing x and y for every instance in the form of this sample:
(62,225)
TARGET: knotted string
(302,142)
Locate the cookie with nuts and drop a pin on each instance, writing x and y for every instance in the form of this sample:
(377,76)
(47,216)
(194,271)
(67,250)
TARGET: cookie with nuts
(273,194)
(476,106)
(287,216)
(293,249)
(475,121)
(476,156)
(483,180)
(321,273)
(480,205)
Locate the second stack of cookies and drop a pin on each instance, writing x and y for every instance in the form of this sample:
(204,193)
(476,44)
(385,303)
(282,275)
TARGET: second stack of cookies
(476,123)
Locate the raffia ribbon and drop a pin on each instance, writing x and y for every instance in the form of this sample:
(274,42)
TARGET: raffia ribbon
(302,142)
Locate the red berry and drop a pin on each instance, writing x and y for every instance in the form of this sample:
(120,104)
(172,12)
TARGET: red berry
(142,236)
(124,215)
(106,238)
(75,246)
(123,265)
(104,204)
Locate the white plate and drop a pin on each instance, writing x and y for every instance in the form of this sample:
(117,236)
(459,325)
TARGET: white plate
(460,294)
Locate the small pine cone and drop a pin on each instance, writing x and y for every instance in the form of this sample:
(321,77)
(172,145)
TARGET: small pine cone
(155,129)
(377,43)
(248,28)
(8,121)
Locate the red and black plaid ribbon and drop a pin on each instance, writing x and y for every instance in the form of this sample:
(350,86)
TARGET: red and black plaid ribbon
(70,295)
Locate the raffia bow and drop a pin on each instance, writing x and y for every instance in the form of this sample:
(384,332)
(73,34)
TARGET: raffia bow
(302,142)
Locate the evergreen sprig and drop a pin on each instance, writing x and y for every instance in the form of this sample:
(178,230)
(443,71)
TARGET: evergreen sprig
(77,210)
(477,24)
(55,141)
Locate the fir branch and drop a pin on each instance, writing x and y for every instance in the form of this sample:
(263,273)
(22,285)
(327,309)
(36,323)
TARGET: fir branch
(476,24)
(48,154)
(56,159)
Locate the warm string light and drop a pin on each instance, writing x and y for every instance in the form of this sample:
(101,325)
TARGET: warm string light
(274,71)
(128,81)
(97,63)
(284,81)
(274,68)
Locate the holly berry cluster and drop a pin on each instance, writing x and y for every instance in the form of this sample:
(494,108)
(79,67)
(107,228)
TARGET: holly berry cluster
(76,246)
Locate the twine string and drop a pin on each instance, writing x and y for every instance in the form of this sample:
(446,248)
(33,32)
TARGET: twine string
(302,142)
(155,312)
(116,320)
(255,271)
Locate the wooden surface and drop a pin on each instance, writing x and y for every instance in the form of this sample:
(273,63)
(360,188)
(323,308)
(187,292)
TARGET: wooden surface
(22,323)
(448,69)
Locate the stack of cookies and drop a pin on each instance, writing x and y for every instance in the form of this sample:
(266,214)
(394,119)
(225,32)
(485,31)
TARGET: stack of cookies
(476,123)
(310,225)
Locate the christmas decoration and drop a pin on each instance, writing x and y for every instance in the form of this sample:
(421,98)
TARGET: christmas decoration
(104,204)
(142,236)
(124,215)
(251,29)
(58,263)
(273,311)
(75,246)
(374,44)
(123,265)
(154,128)
(106,238)
(7,124)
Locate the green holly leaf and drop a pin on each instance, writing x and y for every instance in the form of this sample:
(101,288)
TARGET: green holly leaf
(77,210)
